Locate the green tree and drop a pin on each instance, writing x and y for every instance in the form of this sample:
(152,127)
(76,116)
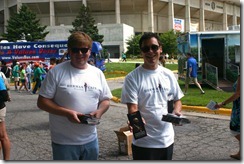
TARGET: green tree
(86,23)
(24,25)
(133,45)
(169,40)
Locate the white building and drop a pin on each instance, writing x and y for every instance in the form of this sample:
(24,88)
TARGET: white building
(124,18)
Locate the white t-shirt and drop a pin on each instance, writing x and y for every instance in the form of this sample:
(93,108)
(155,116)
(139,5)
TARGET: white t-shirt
(150,90)
(75,89)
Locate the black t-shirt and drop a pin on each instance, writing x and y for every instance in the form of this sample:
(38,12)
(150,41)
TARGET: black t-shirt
(6,71)
(3,98)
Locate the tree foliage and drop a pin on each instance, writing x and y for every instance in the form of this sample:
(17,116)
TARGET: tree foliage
(86,23)
(169,40)
(24,25)
(133,48)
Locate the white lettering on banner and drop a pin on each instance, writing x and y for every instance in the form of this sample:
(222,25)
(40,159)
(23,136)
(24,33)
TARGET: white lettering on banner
(50,45)
(6,58)
(5,47)
(21,46)
(25,57)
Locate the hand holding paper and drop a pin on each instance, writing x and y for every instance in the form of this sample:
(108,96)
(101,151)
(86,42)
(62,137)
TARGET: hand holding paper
(211,105)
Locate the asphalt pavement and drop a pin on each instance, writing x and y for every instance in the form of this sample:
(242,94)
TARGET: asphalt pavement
(206,138)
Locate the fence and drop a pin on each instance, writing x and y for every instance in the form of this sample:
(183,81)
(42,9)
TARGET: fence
(211,74)
(181,67)
(232,72)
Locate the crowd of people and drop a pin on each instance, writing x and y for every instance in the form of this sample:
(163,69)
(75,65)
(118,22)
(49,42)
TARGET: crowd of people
(74,88)
(27,76)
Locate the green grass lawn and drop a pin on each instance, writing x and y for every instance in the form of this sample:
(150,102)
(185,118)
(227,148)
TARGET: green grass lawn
(192,98)
(125,68)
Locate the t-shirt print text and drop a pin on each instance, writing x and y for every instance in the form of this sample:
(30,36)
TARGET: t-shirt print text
(160,88)
(84,87)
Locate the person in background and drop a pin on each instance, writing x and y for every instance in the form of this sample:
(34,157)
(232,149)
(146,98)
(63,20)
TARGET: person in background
(162,60)
(16,75)
(137,65)
(191,72)
(108,53)
(147,89)
(52,63)
(5,144)
(235,113)
(64,57)
(43,69)
(57,61)
(72,89)
(167,57)
(91,61)
(28,75)
(123,57)
(172,59)
(23,77)
(37,77)
(6,70)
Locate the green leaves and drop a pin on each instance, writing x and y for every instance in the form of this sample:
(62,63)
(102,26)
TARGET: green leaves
(86,23)
(24,23)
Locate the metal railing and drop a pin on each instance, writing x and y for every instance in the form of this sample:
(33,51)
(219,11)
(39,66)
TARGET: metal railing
(181,67)
(232,72)
(211,74)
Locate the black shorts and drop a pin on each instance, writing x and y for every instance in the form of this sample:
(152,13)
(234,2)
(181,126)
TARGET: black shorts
(141,153)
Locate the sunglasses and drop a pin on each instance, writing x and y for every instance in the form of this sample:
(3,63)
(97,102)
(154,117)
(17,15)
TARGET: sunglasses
(78,50)
(146,49)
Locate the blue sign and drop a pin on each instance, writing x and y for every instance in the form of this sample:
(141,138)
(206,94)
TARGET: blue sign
(32,51)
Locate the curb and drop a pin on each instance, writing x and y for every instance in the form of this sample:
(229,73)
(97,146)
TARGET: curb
(115,78)
(200,109)
(221,111)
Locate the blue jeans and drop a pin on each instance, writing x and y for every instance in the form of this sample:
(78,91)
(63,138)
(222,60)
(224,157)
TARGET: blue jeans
(89,151)
(29,81)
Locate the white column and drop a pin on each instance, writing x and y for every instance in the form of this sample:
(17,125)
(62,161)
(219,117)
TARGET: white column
(117,11)
(171,14)
(6,14)
(202,16)
(52,13)
(19,4)
(187,16)
(84,3)
(150,16)
(225,21)
(234,18)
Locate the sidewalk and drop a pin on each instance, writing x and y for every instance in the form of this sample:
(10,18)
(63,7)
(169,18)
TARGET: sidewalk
(206,138)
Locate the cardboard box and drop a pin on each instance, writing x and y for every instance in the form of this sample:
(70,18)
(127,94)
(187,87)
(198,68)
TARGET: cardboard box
(124,140)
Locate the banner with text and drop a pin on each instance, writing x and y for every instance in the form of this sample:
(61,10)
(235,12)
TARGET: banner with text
(32,51)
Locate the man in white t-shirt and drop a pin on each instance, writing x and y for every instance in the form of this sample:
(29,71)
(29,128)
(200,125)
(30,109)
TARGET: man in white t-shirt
(147,89)
(70,90)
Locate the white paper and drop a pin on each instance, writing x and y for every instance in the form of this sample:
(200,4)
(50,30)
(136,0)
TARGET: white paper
(211,105)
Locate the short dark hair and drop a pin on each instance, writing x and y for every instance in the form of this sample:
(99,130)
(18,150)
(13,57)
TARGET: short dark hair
(161,57)
(53,59)
(147,36)
(189,54)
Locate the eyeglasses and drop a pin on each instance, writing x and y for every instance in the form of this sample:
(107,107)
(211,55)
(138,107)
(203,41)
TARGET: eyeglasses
(146,49)
(78,50)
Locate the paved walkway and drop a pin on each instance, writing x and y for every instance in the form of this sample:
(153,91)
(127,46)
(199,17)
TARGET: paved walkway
(206,138)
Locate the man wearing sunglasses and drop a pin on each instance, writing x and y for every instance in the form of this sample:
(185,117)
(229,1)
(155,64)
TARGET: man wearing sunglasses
(72,90)
(147,89)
